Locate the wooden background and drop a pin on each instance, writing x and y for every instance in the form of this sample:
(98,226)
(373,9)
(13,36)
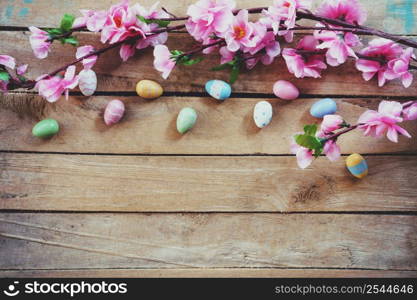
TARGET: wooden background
(226,199)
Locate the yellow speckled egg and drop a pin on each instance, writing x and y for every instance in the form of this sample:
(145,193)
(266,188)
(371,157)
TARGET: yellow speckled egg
(149,89)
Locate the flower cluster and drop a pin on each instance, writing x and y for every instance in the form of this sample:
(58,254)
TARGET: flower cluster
(373,123)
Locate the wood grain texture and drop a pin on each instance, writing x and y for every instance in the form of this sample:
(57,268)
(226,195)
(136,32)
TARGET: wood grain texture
(149,126)
(113,75)
(392,16)
(91,241)
(208,273)
(114,183)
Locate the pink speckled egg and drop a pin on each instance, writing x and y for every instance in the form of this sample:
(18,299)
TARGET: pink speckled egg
(286,90)
(115,110)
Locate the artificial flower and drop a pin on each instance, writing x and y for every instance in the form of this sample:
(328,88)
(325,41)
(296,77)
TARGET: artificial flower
(304,65)
(332,150)
(7,61)
(51,88)
(88,62)
(377,123)
(40,42)
(304,155)
(162,60)
(385,51)
(346,10)
(208,18)
(410,113)
(331,123)
(339,45)
(93,20)
(283,12)
(240,34)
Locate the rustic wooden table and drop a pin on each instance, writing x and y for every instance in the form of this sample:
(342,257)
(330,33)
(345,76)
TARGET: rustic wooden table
(226,199)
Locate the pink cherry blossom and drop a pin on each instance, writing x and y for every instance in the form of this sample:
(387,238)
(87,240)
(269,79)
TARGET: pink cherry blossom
(331,123)
(40,42)
(377,123)
(51,88)
(346,10)
(7,61)
(226,55)
(284,12)
(339,45)
(399,68)
(208,17)
(93,20)
(162,61)
(389,53)
(22,69)
(332,150)
(304,65)
(304,156)
(121,24)
(240,33)
(410,113)
(88,62)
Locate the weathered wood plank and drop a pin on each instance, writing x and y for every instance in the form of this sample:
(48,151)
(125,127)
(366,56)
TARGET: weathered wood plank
(91,241)
(146,184)
(117,76)
(392,16)
(208,273)
(149,126)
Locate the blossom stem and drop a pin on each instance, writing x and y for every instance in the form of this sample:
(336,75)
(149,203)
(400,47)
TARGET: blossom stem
(371,31)
(361,56)
(202,47)
(338,134)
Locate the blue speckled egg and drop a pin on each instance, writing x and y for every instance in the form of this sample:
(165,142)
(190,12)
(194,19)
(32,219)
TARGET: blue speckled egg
(218,89)
(323,107)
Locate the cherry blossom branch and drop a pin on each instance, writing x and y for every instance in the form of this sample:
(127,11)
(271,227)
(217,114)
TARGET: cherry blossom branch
(361,56)
(30,84)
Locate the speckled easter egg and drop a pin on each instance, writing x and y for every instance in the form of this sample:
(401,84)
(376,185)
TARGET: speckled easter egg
(323,107)
(87,82)
(45,128)
(357,165)
(285,90)
(218,89)
(149,89)
(186,119)
(262,114)
(114,112)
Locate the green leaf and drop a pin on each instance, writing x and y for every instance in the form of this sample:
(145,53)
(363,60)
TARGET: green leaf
(223,66)
(54,32)
(160,23)
(310,129)
(70,40)
(308,141)
(4,76)
(66,22)
(235,73)
(190,62)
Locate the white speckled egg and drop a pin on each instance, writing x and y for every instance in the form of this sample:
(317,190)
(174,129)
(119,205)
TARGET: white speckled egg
(262,114)
(87,82)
